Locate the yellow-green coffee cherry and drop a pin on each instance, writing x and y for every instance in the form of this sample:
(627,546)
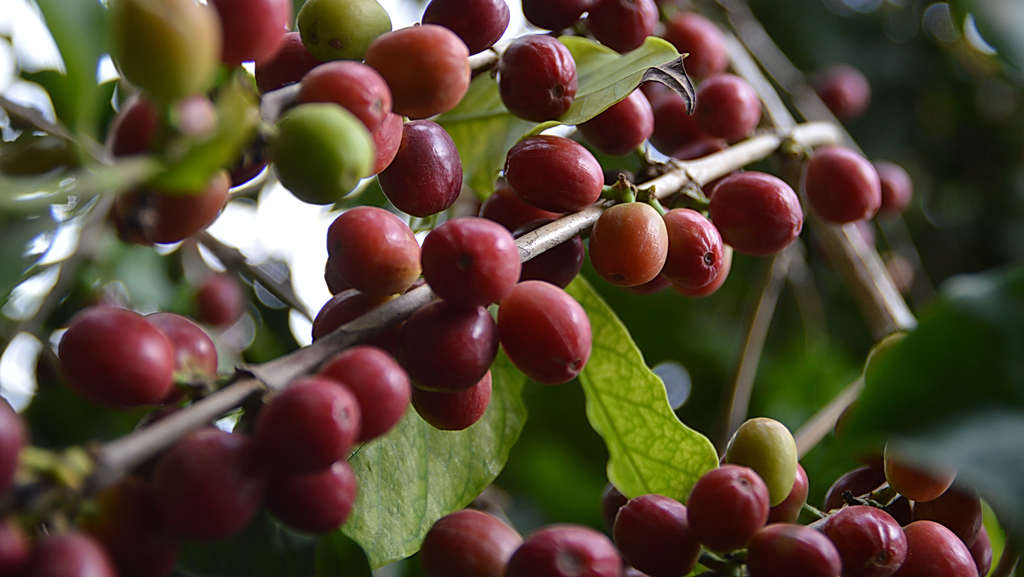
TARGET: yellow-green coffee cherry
(169,48)
(321,152)
(341,29)
(766,446)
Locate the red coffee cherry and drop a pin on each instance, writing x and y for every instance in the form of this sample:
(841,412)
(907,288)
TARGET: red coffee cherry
(373,251)
(870,542)
(788,511)
(726,507)
(134,128)
(316,502)
(702,39)
(897,188)
(73,553)
(622,128)
(553,173)
(386,140)
(358,88)
(674,127)
(695,251)
(958,509)
(251,30)
(15,548)
(12,439)
(565,550)
(727,107)
(479,23)
(446,347)
(611,502)
(470,261)
(653,534)
(537,78)
(554,14)
(981,551)
(150,217)
(785,550)
(380,385)
(859,482)
(468,543)
(715,284)
(756,213)
(287,65)
(558,265)
(934,551)
(508,210)
(629,244)
(844,89)
(453,411)
(195,355)
(622,25)
(113,357)
(913,482)
(343,307)
(425,177)
(426,66)
(841,185)
(220,300)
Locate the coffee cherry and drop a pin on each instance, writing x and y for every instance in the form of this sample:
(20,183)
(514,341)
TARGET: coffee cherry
(565,550)
(12,439)
(726,507)
(553,173)
(308,425)
(981,552)
(426,66)
(841,185)
(629,244)
(209,485)
(386,140)
(653,534)
(557,265)
(859,482)
(134,128)
(169,48)
(958,509)
(756,213)
(470,261)
(251,30)
(505,208)
(766,446)
(621,128)
(554,14)
(913,482)
(934,551)
(447,348)
(897,188)
(321,152)
(150,217)
(788,511)
(844,89)
(379,384)
(870,542)
(425,176)
(353,85)
(453,411)
(15,547)
(696,253)
(343,307)
(537,78)
(715,284)
(315,502)
(71,554)
(113,357)
(195,355)
(373,251)
(479,24)
(785,550)
(622,25)
(468,543)
(287,65)
(702,39)
(341,29)
(612,501)
(544,332)
(727,107)
(674,127)
(220,300)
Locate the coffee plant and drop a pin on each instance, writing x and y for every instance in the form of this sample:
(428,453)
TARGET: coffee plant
(599,288)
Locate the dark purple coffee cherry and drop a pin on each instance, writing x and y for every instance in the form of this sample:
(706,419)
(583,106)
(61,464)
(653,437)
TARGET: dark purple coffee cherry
(425,177)
(537,78)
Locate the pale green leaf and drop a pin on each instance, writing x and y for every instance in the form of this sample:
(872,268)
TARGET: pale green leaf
(416,474)
(650,450)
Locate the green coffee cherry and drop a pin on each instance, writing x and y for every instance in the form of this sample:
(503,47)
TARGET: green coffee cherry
(341,29)
(169,48)
(766,446)
(321,152)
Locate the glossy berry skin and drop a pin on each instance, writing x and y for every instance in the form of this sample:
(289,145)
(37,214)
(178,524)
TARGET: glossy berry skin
(447,348)
(453,411)
(425,177)
(544,332)
(554,14)
(287,65)
(470,261)
(565,550)
(629,244)
(468,543)
(316,502)
(859,482)
(621,128)
(674,127)
(373,251)
(841,185)
(766,446)
(788,511)
(195,355)
(553,173)
(897,187)
(727,107)
(914,483)
(715,284)
(958,509)
(785,550)
(505,208)
(702,39)
(343,307)
(654,536)
(870,542)
(308,425)
(358,88)
(148,217)
(386,140)
(726,507)
(71,554)
(341,30)
(844,89)
(12,439)
(934,551)
(380,385)
(220,300)
(756,213)
(558,265)
(981,551)
(426,66)
(209,485)
(251,30)
(537,78)
(622,25)
(478,23)
(113,357)
(696,253)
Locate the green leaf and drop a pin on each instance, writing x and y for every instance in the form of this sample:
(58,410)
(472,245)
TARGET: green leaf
(79,28)
(416,474)
(23,195)
(650,450)
(336,554)
(16,234)
(1000,23)
(263,549)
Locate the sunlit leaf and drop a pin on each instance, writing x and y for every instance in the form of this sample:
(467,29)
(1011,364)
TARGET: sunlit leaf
(416,474)
(650,450)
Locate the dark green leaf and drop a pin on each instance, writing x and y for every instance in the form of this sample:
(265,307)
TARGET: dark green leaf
(336,554)
(416,474)
(263,549)
(650,450)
